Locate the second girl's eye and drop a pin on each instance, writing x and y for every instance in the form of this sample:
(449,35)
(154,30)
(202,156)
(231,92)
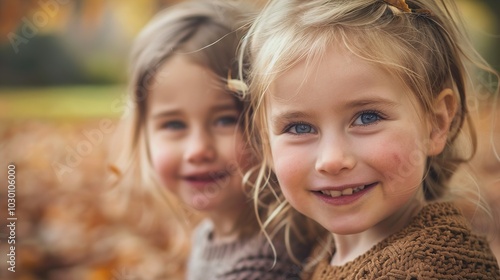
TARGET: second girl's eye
(367,118)
(174,125)
(226,121)
(300,128)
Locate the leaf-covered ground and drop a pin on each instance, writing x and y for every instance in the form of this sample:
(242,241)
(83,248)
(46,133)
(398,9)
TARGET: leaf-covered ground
(65,227)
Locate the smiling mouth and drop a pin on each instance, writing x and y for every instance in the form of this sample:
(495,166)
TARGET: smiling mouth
(210,177)
(346,192)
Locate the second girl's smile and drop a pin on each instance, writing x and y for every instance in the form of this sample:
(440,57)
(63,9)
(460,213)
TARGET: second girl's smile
(194,136)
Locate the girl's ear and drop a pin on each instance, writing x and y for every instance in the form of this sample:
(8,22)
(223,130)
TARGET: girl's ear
(445,108)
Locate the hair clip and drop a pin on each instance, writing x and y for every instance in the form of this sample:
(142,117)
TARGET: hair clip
(400,4)
(235,85)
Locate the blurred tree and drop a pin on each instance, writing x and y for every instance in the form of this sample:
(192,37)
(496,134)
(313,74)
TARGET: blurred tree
(50,42)
(494,5)
(481,19)
(44,61)
(94,37)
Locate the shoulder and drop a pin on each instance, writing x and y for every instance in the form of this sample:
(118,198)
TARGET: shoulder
(200,245)
(258,260)
(202,231)
(439,243)
(440,227)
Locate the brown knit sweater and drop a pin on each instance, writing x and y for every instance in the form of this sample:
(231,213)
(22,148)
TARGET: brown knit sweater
(437,244)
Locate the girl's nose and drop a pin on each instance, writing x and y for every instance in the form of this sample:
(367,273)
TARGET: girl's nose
(200,148)
(334,157)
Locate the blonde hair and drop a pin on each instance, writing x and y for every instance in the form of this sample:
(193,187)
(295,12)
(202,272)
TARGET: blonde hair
(425,48)
(205,32)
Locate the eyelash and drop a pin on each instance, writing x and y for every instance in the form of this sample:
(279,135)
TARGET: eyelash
(227,120)
(223,121)
(176,125)
(290,126)
(378,114)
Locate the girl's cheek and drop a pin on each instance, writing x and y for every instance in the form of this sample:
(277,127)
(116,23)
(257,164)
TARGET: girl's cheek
(243,155)
(290,163)
(164,166)
(403,166)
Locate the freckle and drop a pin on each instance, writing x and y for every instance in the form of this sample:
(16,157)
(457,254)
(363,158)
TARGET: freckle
(397,159)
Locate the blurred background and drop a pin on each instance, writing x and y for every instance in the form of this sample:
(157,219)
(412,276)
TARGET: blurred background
(63,75)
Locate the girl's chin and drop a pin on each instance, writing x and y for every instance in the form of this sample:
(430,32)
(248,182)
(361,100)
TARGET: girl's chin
(202,204)
(346,228)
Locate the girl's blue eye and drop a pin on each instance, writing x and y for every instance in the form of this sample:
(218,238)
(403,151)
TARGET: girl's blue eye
(174,125)
(226,121)
(300,128)
(367,118)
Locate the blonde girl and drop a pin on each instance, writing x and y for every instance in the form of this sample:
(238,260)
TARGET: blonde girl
(358,106)
(187,143)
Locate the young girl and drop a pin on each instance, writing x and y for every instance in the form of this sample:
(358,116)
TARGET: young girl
(358,106)
(186,136)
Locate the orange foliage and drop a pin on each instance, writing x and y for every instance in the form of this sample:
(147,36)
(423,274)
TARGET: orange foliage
(63,230)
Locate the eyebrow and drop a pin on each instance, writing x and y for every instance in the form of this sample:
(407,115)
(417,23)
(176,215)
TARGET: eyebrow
(178,112)
(371,101)
(167,113)
(224,107)
(290,115)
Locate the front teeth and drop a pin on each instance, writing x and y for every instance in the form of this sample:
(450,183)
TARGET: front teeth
(348,191)
(360,188)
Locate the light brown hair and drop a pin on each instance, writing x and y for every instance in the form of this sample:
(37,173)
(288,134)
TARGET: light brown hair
(205,32)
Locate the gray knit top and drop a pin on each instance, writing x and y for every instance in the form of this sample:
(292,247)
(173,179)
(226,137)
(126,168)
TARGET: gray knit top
(247,259)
